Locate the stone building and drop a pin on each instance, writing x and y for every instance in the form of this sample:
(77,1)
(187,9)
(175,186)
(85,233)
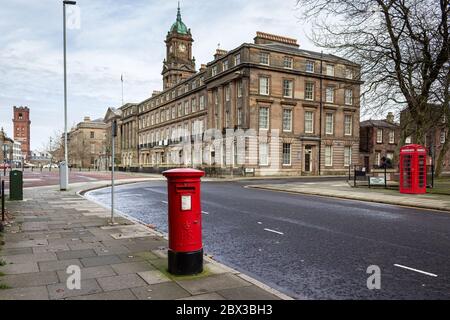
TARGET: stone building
(21,124)
(378,139)
(6,155)
(267,106)
(112,115)
(129,136)
(86,143)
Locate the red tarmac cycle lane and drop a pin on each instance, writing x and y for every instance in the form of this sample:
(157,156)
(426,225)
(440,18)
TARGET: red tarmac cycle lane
(37,178)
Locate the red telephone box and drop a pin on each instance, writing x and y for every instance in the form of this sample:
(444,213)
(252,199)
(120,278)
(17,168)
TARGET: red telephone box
(413,169)
(185,221)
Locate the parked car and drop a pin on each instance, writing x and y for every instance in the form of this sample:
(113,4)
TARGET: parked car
(47,166)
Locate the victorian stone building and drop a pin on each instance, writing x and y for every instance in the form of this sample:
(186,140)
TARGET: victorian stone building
(292,111)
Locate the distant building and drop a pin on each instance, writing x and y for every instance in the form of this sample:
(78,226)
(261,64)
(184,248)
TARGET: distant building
(21,133)
(6,155)
(86,143)
(17,155)
(112,114)
(378,139)
(40,158)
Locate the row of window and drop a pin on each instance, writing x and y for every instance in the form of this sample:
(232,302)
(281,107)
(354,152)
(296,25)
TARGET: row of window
(264,121)
(288,63)
(287,152)
(380,136)
(225,65)
(194,84)
(288,90)
(174,133)
(173,112)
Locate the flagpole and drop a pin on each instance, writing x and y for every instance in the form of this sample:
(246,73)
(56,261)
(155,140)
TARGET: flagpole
(121,79)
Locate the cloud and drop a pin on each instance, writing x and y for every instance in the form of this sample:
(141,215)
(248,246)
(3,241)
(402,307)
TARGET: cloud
(116,37)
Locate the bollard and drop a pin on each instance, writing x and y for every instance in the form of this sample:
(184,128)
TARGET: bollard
(185,221)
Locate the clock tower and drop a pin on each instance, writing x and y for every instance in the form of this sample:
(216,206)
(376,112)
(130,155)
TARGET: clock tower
(179,63)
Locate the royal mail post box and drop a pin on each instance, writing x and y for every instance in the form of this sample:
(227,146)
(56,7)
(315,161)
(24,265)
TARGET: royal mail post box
(185,221)
(413,169)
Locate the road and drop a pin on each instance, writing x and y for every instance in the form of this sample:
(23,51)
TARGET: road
(311,247)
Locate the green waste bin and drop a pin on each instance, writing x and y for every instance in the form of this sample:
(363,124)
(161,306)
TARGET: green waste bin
(15,185)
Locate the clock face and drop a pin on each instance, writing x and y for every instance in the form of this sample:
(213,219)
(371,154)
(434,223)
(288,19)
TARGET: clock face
(182,47)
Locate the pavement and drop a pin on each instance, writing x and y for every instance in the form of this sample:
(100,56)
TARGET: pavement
(50,231)
(375,194)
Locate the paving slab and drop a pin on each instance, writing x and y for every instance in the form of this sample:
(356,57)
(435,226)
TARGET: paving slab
(34,279)
(100,261)
(131,267)
(212,283)
(60,290)
(75,254)
(153,277)
(34,293)
(19,268)
(30,257)
(125,281)
(125,294)
(247,293)
(89,273)
(161,291)
(58,265)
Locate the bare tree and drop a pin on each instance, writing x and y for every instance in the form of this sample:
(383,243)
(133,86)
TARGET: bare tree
(402,46)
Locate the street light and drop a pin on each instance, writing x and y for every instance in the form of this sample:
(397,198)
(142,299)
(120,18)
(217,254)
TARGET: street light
(64,181)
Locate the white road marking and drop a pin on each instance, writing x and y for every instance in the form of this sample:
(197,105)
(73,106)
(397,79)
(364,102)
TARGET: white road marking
(259,222)
(277,232)
(165,202)
(416,270)
(204,212)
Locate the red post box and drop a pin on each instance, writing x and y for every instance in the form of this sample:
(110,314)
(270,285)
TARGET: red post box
(185,221)
(413,169)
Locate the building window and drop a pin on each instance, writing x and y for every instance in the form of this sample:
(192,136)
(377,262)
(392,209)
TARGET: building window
(194,105)
(329,96)
(264,58)
(347,156)
(287,120)
(225,65)
(309,91)
(168,114)
(286,154)
(186,107)
(264,118)
(309,122)
(379,135)
(180,110)
(20,116)
(239,117)
(348,125)
(92,148)
(92,134)
(329,125)
(264,86)
(288,88)
(309,66)
(330,70)
(377,158)
(263,154)
(237,59)
(227,119)
(390,155)
(348,96)
(442,138)
(227,93)
(392,137)
(239,88)
(408,140)
(348,73)
(328,156)
(174,112)
(202,102)
(288,62)
(214,71)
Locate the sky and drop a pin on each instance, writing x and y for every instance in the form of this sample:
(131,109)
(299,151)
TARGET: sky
(114,37)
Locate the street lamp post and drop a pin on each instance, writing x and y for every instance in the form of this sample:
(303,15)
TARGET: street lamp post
(64,181)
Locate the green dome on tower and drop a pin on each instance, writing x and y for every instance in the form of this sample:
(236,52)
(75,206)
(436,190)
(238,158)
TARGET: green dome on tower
(179,26)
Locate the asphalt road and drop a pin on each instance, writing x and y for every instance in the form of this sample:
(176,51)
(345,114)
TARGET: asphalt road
(311,247)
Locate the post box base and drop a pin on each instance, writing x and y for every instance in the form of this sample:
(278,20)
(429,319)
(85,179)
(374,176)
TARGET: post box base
(185,263)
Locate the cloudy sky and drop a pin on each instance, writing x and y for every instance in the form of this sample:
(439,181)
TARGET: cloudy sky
(115,37)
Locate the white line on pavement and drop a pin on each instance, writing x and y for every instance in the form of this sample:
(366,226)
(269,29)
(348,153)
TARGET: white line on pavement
(204,212)
(165,202)
(277,232)
(416,270)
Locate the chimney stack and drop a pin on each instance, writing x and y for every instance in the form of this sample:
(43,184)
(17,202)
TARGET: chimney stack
(87,119)
(390,117)
(220,53)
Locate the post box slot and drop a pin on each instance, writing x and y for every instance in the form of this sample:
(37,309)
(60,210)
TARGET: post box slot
(185,189)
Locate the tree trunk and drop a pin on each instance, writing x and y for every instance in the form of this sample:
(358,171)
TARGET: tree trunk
(442,153)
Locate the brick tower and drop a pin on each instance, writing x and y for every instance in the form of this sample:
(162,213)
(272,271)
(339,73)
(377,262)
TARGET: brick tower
(22,123)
